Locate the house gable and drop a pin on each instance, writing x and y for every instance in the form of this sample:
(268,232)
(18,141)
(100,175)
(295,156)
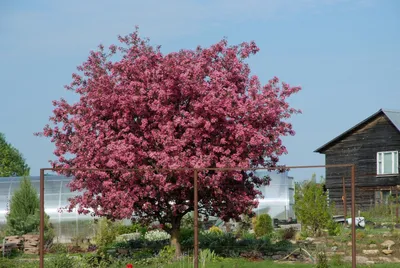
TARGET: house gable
(393,117)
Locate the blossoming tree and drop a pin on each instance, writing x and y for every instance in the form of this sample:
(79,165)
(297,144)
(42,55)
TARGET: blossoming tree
(142,109)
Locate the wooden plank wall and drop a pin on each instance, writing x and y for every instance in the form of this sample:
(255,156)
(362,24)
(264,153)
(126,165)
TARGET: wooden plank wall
(360,148)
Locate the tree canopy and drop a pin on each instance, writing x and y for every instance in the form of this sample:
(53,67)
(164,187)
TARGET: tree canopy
(187,109)
(12,162)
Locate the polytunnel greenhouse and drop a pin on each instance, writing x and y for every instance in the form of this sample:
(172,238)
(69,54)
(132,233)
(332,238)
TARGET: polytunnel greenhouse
(66,224)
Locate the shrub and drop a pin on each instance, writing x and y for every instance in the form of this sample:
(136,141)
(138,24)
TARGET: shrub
(58,248)
(215,229)
(24,216)
(127,237)
(61,261)
(157,235)
(8,263)
(132,228)
(311,206)
(334,228)
(289,233)
(263,225)
(106,234)
(223,244)
(322,260)
(244,225)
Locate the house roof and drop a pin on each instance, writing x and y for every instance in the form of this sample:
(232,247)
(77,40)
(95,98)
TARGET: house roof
(392,115)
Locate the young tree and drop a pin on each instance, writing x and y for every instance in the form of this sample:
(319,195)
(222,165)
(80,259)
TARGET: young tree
(311,206)
(11,161)
(23,216)
(192,108)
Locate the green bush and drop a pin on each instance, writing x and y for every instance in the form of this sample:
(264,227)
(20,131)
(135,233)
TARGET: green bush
(322,260)
(58,248)
(288,233)
(263,225)
(24,216)
(8,263)
(311,206)
(132,228)
(223,244)
(106,234)
(334,228)
(61,261)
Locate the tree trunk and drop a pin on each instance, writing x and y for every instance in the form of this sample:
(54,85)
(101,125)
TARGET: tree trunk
(175,235)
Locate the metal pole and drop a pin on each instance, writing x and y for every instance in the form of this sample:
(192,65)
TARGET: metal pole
(196,221)
(41,227)
(397,204)
(344,200)
(353,217)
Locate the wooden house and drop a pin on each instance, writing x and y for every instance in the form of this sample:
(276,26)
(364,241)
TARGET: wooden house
(373,145)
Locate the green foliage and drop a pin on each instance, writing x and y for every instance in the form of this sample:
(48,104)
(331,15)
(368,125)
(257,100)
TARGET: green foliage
(188,221)
(107,231)
(334,228)
(378,213)
(12,162)
(322,260)
(58,248)
(222,244)
(215,229)
(206,256)
(244,225)
(263,225)
(288,233)
(24,216)
(311,206)
(61,261)
(167,253)
(132,228)
(8,263)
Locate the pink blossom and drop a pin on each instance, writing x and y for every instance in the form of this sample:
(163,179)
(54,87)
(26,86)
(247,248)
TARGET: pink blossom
(192,108)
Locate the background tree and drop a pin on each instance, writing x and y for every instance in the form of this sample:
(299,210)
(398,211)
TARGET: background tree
(24,217)
(311,206)
(192,108)
(11,161)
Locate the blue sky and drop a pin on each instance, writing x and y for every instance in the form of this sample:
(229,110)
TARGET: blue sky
(344,53)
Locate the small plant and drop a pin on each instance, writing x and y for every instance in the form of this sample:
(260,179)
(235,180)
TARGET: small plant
(337,260)
(127,237)
(289,233)
(106,234)
(311,206)
(167,253)
(215,229)
(360,235)
(157,235)
(322,260)
(206,256)
(334,228)
(263,225)
(61,261)
(58,248)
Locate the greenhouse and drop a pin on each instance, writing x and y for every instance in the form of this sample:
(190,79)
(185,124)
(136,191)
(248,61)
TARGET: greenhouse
(66,224)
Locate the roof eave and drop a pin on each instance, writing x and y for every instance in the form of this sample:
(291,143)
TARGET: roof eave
(329,143)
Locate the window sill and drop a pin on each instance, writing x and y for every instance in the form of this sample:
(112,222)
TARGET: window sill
(387,175)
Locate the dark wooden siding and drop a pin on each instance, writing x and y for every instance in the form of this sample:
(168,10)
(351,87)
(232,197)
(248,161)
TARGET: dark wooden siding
(360,148)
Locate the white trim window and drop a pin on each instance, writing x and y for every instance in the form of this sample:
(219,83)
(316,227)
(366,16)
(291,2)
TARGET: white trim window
(387,163)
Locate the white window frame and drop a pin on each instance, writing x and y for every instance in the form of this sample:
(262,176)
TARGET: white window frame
(395,164)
